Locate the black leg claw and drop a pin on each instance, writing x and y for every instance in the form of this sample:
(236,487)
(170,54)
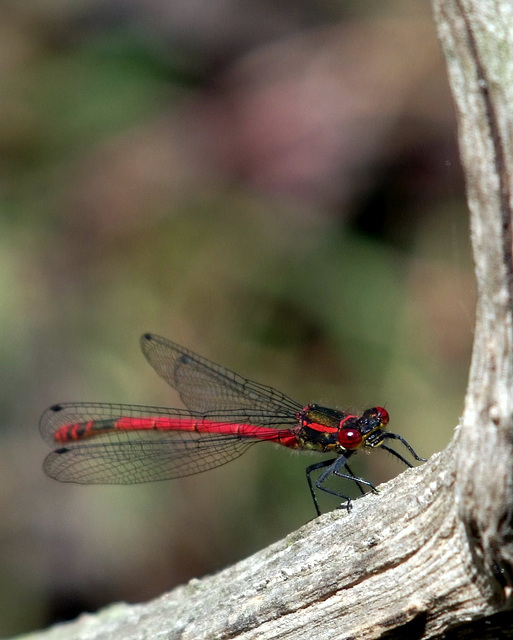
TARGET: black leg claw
(347,505)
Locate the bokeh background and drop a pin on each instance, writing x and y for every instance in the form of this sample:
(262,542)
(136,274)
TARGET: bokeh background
(275,185)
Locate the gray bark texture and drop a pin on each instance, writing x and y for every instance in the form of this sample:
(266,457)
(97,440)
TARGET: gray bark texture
(432,554)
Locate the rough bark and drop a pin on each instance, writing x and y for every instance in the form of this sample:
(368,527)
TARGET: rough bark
(432,554)
(477,38)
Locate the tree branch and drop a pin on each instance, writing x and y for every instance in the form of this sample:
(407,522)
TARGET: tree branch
(477,38)
(435,548)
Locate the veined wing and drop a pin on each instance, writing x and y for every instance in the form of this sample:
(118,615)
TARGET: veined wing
(208,387)
(100,451)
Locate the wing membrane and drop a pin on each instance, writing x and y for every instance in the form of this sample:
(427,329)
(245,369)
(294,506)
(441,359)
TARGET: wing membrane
(141,455)
(205,386)
(131,458)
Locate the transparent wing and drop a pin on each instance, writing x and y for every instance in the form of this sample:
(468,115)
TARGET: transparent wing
(133,456)
(121,458)
(93,449)
(207,387)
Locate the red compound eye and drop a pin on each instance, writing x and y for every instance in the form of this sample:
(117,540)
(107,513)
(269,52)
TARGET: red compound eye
(350,438)
(383,416)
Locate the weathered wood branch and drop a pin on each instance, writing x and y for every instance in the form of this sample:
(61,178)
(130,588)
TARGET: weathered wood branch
(433,553)
(477,38)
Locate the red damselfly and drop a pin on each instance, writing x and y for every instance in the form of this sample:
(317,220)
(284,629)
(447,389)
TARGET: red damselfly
(226,413)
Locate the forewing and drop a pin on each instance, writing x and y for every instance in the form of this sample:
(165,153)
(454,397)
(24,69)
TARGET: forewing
(207,387)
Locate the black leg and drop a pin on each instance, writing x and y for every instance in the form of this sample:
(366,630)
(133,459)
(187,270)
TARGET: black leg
(356,480)
(332,467)
(314,467)
(397,455)
(395,436)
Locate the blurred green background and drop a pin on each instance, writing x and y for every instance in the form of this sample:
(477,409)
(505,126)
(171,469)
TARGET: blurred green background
(274,185)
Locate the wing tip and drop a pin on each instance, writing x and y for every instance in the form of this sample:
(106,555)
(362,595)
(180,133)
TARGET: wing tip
(47,421)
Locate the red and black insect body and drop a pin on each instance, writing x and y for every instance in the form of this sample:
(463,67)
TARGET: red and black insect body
(226,413)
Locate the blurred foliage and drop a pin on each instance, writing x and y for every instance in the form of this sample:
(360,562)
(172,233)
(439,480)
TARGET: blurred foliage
(275,187)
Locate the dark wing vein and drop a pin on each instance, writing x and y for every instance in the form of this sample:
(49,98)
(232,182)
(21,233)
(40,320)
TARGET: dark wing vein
(205,386)
(142,456)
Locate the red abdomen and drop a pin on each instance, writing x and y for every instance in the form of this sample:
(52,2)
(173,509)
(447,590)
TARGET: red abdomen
(84,430)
